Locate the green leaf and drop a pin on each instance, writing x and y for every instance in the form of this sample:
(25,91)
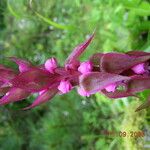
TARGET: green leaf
(11,10)
(50,22)
(142,10)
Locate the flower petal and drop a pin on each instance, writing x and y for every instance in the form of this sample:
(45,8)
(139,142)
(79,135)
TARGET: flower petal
(96,81)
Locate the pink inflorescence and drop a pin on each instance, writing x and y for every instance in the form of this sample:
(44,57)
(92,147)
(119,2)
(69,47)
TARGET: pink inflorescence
(102,73)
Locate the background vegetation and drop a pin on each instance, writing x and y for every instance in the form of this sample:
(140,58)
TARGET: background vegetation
(38,29)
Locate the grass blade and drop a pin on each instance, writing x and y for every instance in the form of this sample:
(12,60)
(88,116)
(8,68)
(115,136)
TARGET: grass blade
(50,22)
(11,10)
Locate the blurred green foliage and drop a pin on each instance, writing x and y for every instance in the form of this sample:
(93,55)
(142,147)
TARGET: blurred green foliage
(38,29)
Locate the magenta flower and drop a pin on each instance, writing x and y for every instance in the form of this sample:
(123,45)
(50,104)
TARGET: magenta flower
(102,73)
(51,65)
(64,86)
(23,65)
(111,87)
(85,67)
(139,69)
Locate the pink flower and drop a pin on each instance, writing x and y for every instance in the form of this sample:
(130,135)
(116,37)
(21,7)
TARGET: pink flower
(64,86)
(111,87)
(23,64)
(139,69)
(82,92)
(51,65)
(85,67)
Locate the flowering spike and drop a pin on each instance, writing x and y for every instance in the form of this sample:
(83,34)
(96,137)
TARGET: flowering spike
(139,69)
(85,67)
(64,86)
(51,65)
(103,72)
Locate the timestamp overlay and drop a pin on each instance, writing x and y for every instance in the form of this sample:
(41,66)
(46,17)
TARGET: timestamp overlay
(123,134)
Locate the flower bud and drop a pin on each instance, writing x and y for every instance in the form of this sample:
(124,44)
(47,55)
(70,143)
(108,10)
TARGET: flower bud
(51,65)
(139,69)
(23,68)
(64,86)
(85,67)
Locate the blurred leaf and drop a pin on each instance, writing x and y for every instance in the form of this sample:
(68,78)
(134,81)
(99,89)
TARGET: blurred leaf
(50,22)
(144,105)
(142,10)
(11,10)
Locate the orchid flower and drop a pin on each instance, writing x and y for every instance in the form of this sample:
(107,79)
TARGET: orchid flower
(103,73)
